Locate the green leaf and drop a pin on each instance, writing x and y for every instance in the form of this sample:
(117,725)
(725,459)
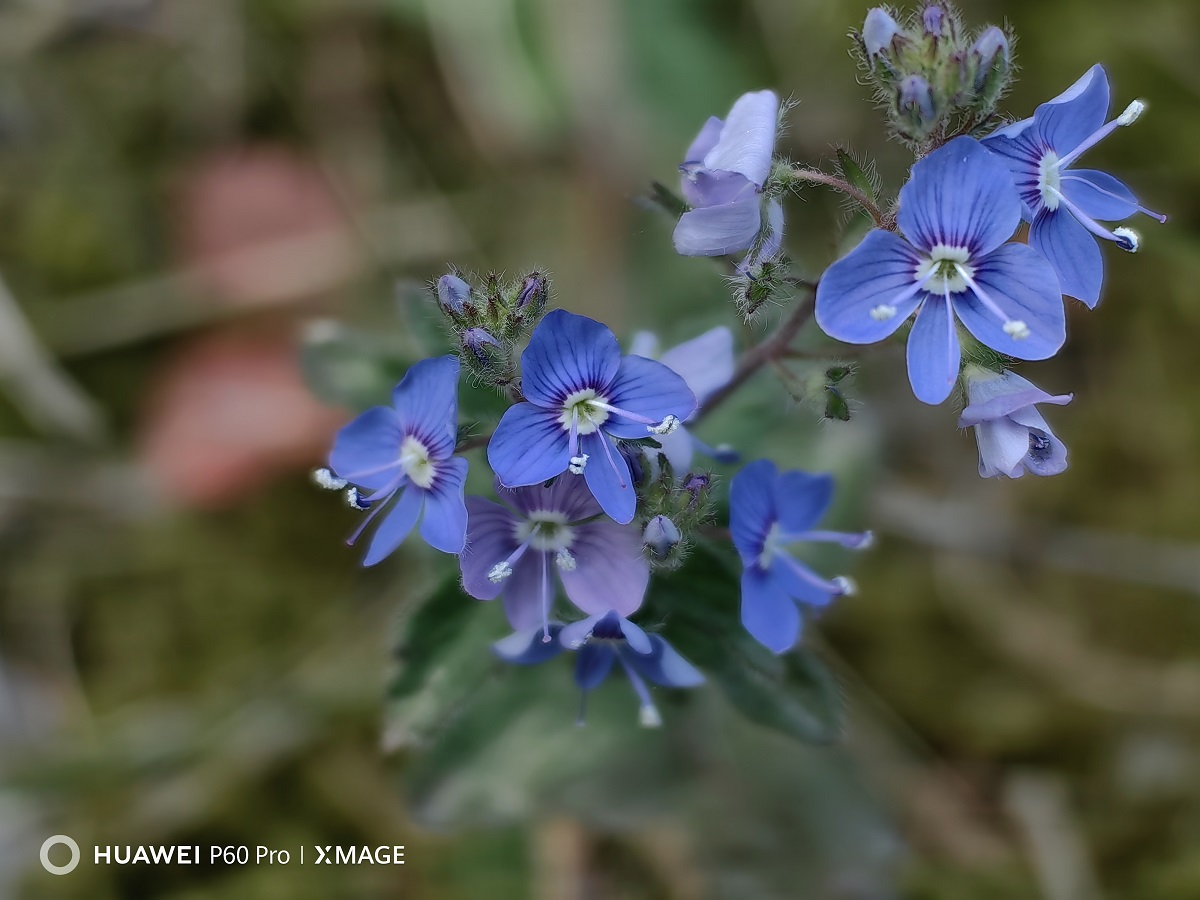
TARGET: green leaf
(856,175)
(793,693)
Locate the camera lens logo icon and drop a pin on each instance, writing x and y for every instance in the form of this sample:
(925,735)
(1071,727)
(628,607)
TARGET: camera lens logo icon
(54,841)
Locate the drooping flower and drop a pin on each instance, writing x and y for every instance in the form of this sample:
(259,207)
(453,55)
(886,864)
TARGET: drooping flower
(1064,204)
(723,177)
(401,459)
(956,212)
(604,639)
(580,395)
(1011,434)
(706,364)
(514,546)
(767,511)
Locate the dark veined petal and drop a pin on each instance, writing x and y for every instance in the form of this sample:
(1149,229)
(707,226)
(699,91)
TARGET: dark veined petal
(1002,445)
(664,665)
(567,494)
(768,613)
(705,362)
(960,195)
(366,452)
(1024,286)
(426,402)
(529,647)
(1099,195)
(395,525)
(649,389)
(879,272)
(491,537)
(933,352)
(593,664)
(802,499)
(1072,251)
(747,140)
(752,509)
(608,477)
(720,230)
(610,571)
(444,525)
(529,446)
(1071,117)
(567,353)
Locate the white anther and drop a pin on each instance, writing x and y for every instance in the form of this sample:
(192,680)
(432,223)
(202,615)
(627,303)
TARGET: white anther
(883,312)
(578,464)
(1016,329)
(565,560)
(1128,239)
(866,541)
(499,572)
(1132,113)
(326,479)
(352,498)
(648,716)
(846,587)
(666,426)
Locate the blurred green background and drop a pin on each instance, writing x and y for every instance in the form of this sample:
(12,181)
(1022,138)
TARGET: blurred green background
(189,654)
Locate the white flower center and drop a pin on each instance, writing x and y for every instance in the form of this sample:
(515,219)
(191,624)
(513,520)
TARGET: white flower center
(414,459)
(586,408)
(1050,180)
(942,269)
(546,530)
(771,546)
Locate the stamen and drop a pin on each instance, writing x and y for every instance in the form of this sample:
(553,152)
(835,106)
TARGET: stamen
(1093,226)
(623,413)
(1128,239)
(883,312)
(846,587)
(545,599)
(1159,217)
(668,426)
(882,309)
(850,541)
(565,560)
(1132,113)
(324,478)
(608,452)
(1014,328)
(352,498)
(648,715)
(838,587)
(499,572)
(578,464)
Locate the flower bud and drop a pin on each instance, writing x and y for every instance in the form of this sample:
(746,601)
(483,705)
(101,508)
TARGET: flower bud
(993,58)
(879,29)
(661,536)
(476,341)
(917,113)
(453,294)
(697,484)
(532,297)
(933,20)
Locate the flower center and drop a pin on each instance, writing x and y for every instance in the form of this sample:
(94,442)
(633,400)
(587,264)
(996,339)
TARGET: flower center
(545,530)
(415,461)
(1039,445)
(1050,180)
(944,270)
(586,409)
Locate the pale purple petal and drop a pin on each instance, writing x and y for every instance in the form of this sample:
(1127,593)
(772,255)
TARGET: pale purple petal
(960,195)
(933,352)
(491,537)
(529,446)
(705,363)
(567,353)
(395,525)
(426,403)
(608,477)
(1023,285)
(444,525)
(366,452)
(719,230)
(1002,445)
(610,571)
(702,188)
(752,507)
(802,499)
(1099,195)
(879,30)
(1052,460)
(649,389)
(991,398)
(576,634)
(1072,251)
(747,140)
(705,140)
(528,590)
(879,272)
(567,494)
(768,613)
(1071,117)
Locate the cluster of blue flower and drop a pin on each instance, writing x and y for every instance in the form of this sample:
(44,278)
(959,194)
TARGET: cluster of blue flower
(595,439)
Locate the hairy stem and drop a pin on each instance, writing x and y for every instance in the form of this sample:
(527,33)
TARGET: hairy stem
(814,176)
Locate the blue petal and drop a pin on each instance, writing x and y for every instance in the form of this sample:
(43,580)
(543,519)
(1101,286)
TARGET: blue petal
(747,140)
(1072,251)
(426,403)
(610,571)
(960,195)
(719,230)
(567,353)
(1024,286)
(366,452)
(576,634)
(752,507)
(933,352)
(787,576)
(705,363)
(768,613)
(593,665)
(529,446)
(527,648)
(529,591)
(880,271)
(444,525)
(490,539)
(802,499)
(665,666)
(1022,153)
(709,134)
(649,389)
(638,640)
(1071,117)
(608,477)
(397,523)
(1099,195)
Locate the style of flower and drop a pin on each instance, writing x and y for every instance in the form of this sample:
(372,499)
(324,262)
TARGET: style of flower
(1011,434)
(706,364)
(723,177)
(604,639)
(581,394)
(767,511)
(956,212)
(401,459)
(1064,204)
(513,546)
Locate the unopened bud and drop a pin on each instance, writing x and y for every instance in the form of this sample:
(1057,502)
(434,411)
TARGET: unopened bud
(532,297)
(933,19)
(993,59)
(476,341)
(453,294)
(879,30)
(661,536)
(915,105)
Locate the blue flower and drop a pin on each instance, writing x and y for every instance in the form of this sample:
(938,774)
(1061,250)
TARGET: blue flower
(956,212)
(512,549)
(706,364)
(768,511)
(580,395)
(1012,436)
(1064,204)
(405,454)
(604,639)
(723,177)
